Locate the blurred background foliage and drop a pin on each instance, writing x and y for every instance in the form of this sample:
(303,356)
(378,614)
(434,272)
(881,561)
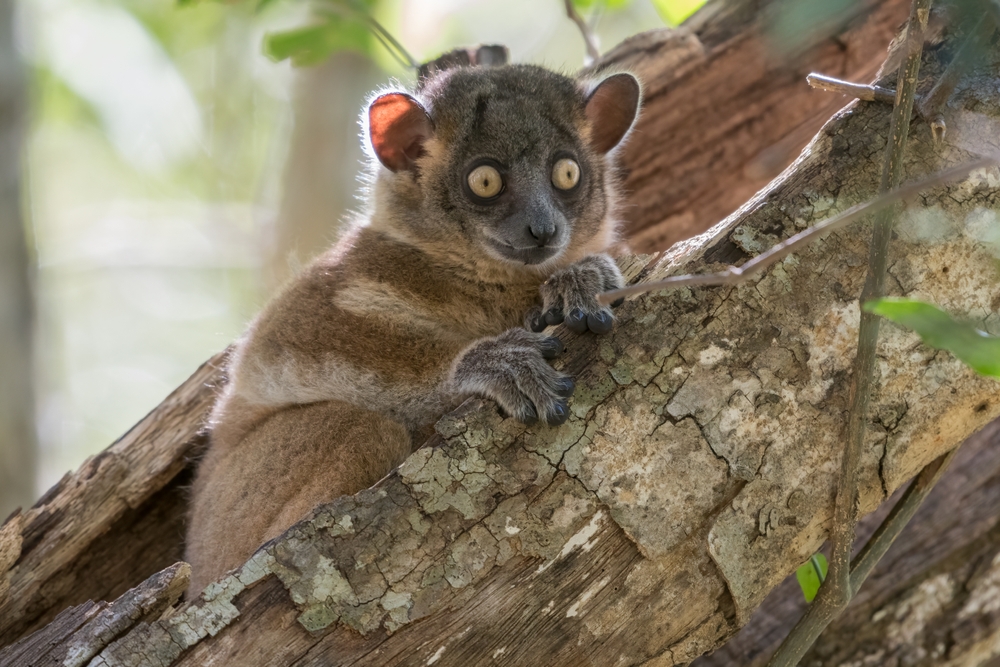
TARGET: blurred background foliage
(174,174)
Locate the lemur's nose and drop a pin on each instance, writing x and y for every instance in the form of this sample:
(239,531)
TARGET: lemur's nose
(542,231)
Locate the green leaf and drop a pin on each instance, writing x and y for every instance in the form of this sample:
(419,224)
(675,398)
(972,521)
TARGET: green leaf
(811,575)
(313,44)
(675,12)
(977,349)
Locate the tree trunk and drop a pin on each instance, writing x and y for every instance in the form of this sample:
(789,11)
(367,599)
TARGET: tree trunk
(17,407)
(322,166)
(695,474)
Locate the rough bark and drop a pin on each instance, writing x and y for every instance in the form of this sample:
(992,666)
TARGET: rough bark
(728,113)
(112,523)
(694,475)
(17,425)
(933,600)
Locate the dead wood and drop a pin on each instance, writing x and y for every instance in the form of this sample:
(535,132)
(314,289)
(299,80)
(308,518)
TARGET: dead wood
(695,474)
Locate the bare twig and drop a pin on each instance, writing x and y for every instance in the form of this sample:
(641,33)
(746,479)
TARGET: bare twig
(735,275)
(589,38)
(904,509)
(385,38)
(845,515)
(390,43)
(869,93)
(837,591)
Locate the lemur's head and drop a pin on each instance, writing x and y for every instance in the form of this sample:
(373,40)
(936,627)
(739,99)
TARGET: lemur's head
(511,163)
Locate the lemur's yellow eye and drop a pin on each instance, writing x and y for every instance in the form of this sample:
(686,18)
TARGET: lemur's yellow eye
(485,181)
(565,174)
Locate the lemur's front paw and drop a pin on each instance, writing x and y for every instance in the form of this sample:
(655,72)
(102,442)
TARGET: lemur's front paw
(511,369)
(570,296)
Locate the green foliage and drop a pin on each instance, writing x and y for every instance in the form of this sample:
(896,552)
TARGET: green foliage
(313,44)
(675,12)
(977,349)
(811,575)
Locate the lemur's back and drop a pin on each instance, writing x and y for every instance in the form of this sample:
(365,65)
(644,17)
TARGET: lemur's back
(482,218)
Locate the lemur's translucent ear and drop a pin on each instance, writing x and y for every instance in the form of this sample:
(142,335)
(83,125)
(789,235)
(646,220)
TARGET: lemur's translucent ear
(398,127)
(611,110)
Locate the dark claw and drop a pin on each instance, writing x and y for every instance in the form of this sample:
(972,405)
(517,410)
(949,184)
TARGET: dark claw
(550,347)
(565,387)
(617,302)
(530,415)
(503,413)
(600,322)
(537,323)
(560,413)
(577,321)
(554,316)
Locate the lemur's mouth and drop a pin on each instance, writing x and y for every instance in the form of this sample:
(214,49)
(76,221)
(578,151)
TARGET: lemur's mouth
(529,255)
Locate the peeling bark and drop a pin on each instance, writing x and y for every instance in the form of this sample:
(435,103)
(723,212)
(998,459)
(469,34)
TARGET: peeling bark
(695,472)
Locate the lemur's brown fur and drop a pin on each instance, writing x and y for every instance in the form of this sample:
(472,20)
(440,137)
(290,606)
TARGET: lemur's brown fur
(421,305)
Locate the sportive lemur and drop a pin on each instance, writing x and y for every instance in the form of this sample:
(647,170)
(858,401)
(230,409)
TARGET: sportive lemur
(492,200)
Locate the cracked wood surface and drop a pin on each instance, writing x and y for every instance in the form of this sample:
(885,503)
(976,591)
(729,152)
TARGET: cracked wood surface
(112,523)
(728,112)
(932,601)
(695,473)
(120,517)
(692,478)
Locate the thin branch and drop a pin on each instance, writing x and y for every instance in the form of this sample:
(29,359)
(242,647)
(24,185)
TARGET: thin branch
(837,591)
(735,275)
(845,514)
(589,38)
(890,528)
(869,93)
(385,38)
(398,52)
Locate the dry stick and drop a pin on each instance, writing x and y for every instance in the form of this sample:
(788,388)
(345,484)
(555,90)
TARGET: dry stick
(890,528)
(385,38)
(837,591)
(734,275)
(589,39)
(869,93)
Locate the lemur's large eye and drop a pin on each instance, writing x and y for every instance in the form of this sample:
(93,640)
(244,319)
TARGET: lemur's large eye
(566,174)
(485,181)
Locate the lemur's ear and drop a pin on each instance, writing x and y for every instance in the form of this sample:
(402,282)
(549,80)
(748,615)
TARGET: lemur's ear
(611,110)
(398,127)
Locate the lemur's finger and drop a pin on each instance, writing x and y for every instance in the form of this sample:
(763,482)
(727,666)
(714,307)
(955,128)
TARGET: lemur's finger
(559,414)
(554,315)
(550,347)
(536,321)
(577,320)
(566,386)
(600,322)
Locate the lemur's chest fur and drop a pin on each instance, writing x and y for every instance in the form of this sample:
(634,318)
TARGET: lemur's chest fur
(377,323)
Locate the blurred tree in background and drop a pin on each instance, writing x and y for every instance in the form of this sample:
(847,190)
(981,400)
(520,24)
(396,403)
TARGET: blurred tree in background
(17,428)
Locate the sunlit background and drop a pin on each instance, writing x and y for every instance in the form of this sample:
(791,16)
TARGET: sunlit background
(175,175)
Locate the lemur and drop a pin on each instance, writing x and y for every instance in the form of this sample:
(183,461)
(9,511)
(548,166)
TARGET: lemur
(492,201)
